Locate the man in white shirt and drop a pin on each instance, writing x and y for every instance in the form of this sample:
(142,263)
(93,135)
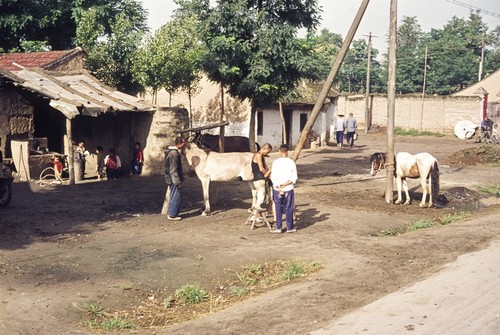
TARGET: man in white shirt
(339,130)
(283,177)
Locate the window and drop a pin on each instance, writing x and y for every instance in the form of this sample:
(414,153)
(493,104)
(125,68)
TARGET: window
(303,120)
(260,123)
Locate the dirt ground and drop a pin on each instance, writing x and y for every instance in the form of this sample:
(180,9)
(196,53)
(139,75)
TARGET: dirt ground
(63,246)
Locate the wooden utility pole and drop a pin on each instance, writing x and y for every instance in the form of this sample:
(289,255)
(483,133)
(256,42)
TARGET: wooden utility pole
(480,74)
(368,116)
(423,90)
(391,102)
(283,124)
(329,81)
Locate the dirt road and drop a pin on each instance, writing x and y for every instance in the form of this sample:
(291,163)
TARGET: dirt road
(62,247)
(460,299)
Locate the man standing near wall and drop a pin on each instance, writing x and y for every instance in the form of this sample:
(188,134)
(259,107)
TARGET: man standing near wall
(351,125)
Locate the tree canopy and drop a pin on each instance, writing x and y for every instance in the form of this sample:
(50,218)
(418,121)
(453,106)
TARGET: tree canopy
(54,23)
(112,44)
(253,48)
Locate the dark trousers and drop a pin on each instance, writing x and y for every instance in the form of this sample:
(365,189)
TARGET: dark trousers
(174,204)
(136,167)
(111,173)
(350,138)
(340,137)
(284,203)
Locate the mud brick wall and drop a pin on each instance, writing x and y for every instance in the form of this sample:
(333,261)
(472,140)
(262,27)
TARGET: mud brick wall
(166,121)
(16,119)
(437,113)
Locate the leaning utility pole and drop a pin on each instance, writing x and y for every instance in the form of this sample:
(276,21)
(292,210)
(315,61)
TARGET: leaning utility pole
(368,116)
(391,102)
(329,81)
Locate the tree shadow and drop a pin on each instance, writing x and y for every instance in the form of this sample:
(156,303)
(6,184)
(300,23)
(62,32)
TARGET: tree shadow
(53,213)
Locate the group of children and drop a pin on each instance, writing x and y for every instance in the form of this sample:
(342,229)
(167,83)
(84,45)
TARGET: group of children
(108,167)
(111,165)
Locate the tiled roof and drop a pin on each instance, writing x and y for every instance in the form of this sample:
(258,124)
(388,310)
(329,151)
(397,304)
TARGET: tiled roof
(34,59)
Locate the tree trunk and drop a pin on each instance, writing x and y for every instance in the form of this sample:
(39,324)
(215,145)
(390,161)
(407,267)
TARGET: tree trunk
(283,125)
(221,119)
(251,131)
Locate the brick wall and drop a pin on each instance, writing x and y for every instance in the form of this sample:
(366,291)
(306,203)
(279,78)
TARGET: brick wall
(438,113)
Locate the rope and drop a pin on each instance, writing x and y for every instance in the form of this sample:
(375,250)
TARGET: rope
(48,179)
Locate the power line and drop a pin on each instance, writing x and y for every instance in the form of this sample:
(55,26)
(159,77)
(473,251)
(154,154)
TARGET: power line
(456,2)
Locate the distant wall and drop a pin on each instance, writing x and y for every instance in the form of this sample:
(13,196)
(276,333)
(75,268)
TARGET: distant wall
(439,113)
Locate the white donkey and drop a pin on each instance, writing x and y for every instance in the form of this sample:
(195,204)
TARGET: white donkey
(213,166)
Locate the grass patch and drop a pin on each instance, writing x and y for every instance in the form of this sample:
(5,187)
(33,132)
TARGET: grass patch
(239,291)
(96,317)
(390,232)
(146,308)
(191,294)
(423,224)
(94,310)
(117,323)
(413,132)
(420,224)
(293,270)
(491,190)
(450,218)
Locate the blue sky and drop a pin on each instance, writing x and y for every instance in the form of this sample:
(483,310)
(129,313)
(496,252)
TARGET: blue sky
(338,15)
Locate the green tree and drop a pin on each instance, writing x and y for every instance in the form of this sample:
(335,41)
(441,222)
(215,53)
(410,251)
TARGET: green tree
(454,54)
(252,46)
(112,44)
(173,57)
(54,22)
(410,56)
(326,46)
(492,52)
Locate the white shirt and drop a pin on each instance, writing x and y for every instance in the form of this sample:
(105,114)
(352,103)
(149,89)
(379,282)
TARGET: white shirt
(339,124)
(284,170)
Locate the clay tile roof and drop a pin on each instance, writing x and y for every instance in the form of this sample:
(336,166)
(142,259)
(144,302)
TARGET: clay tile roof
(34,59)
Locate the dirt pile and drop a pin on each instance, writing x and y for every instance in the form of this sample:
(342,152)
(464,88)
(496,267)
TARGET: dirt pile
(459,197)
(482,155)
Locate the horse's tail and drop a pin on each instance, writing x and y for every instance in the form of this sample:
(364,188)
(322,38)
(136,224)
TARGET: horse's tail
(435,181)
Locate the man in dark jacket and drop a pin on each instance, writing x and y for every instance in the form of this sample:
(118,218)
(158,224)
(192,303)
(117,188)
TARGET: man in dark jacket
(174,177)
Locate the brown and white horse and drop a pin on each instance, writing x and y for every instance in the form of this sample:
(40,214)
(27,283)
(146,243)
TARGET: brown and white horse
(213,166)
(422,165)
